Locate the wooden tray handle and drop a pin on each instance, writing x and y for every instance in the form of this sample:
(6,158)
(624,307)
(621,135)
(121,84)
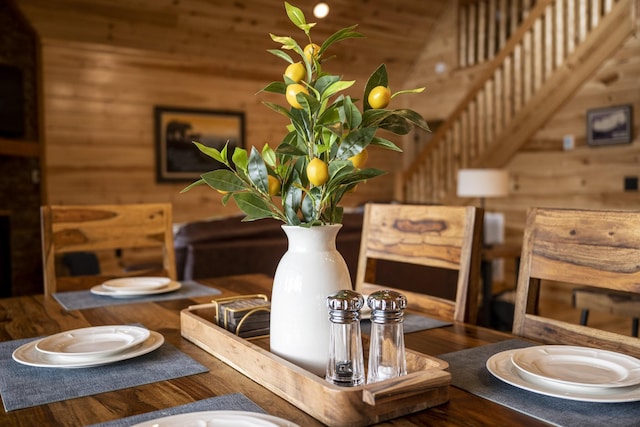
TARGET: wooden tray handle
(405,386)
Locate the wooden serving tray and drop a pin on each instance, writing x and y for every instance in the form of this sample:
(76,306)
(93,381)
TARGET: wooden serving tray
(426,384)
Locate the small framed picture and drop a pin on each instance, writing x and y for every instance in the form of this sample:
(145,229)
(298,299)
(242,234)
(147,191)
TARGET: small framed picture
(177,158)
(611,125)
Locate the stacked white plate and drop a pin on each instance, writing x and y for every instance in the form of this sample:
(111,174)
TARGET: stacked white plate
(87,347)
(570,372)
(219,418)
(130,287)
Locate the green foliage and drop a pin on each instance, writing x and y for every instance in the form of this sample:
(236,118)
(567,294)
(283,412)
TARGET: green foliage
(329,126)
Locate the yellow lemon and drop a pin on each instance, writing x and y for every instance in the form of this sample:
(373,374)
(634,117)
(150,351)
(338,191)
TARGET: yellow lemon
(292,91)
(274,185)
(317,172)
(360,159)
(311,50)
(379,97)
(295,71)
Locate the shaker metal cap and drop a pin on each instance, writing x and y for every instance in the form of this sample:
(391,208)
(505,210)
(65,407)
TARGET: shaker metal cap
(387,301)
(345,300)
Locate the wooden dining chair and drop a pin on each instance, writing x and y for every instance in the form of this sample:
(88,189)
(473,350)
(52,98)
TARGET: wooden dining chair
(600,249)
(88,229)
(445,237)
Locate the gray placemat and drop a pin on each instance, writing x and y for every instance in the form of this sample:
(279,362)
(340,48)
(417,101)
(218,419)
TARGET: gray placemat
(412,323)
(79,300)
(228,402)
(24,386)
(468,372)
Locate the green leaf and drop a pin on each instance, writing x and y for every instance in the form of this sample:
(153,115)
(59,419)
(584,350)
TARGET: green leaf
(213,153)
(193,184)
(385,143)
(257,171)
(378,78)
(353,117)
(278,108)
(344,33)
(290,150)
(275,87)
(337,87)
(269,156)
(395,124)
(240,158)
(400,92)
(223,180)
(281,54)
(287,42)
(322,83)
(295,15)
(355,142)
(253,206)
(413,117)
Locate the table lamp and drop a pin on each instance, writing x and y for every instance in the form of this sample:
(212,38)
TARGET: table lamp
(483,183)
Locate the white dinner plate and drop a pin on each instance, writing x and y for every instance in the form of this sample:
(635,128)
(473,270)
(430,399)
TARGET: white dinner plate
(98,341)
(125,284)
(578,366)
(501,366)
(27,354)
(218,418)
(101,290)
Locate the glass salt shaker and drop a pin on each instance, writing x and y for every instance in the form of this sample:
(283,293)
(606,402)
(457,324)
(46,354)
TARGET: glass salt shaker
(346,360)
(386,351)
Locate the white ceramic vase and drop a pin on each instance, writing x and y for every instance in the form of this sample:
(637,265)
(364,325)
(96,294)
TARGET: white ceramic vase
(308,272)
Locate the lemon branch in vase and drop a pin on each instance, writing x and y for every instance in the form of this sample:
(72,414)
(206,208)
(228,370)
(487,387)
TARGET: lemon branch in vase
(322,157)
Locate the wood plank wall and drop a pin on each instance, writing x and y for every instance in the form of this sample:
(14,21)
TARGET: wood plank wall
(99,138)
(542,174)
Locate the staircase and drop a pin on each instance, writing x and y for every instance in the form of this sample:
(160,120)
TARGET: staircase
(554,51)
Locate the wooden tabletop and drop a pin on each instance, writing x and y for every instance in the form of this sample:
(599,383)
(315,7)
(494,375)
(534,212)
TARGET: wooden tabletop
(31,316)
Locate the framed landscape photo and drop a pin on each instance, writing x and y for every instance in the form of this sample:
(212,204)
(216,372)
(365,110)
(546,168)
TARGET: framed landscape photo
(177,158)
(611,125)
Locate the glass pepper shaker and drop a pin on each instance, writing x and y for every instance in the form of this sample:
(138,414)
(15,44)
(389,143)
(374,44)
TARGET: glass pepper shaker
(346,360)
(386,351)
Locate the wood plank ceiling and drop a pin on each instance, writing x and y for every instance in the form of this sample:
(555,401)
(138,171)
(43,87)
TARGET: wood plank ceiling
(230,37)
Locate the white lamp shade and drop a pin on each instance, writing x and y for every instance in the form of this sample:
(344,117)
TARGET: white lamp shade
(483,183)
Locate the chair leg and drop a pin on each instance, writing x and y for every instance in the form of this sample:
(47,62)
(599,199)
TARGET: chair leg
(584,317)
(634,327)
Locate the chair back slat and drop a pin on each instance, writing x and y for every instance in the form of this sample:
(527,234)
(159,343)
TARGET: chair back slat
(599,249)
(445,237)
(93,228)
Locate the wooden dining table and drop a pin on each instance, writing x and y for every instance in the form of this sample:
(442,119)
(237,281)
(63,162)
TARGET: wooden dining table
(37,315)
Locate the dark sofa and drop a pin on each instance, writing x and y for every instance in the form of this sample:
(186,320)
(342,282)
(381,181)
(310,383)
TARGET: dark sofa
(228,246)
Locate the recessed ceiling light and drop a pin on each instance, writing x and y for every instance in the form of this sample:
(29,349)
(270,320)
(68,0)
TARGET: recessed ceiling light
(321,10)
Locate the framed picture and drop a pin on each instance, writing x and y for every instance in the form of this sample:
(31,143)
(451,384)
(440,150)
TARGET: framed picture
(611,125)
(177,158)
